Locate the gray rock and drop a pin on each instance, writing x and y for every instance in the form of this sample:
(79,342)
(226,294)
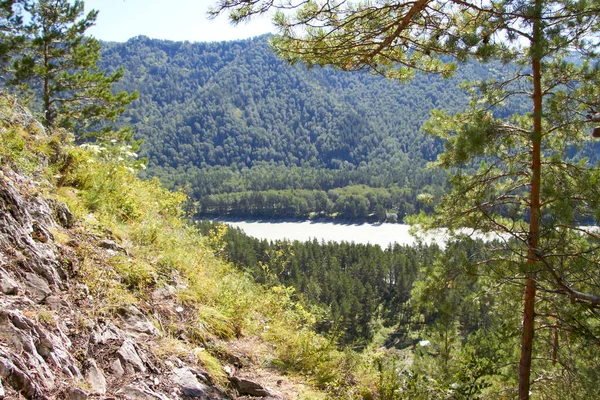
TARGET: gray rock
(41,212)
(2,392)
(140,392)
(77,394)
(111,245)
(203,376)
(117,368)
(135,321)
(63,215)
(103,333)
(15,377)
(164,292)
(7,284)
(246,387)
(24,222)
(130,357)
(29,344)
(39,287)
(188,382)
(95,378)
(55,303)
(44,345)
(40,233)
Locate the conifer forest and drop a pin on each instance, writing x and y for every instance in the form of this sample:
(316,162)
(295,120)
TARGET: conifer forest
(470,118)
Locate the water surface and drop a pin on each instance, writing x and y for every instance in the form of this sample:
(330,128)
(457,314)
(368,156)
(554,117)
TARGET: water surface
(381,234)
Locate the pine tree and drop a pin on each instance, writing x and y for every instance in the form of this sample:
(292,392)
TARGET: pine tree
(60,61)
(11,38)
(527,186)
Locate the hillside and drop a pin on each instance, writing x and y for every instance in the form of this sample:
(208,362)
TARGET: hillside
(230,117)
(106,291)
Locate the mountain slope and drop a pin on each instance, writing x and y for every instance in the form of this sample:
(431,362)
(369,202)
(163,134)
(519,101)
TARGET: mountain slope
(107,292)
(231,118)
(207,104)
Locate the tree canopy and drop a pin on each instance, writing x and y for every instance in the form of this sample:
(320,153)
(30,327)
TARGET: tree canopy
(227,118)
(55,57)
(11,22)
(526,186)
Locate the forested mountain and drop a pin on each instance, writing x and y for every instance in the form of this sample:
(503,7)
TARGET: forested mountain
(230,117)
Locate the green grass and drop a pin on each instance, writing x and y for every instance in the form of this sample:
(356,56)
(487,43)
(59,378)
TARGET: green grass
(221,302)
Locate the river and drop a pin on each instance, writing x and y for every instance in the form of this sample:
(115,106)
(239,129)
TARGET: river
(381,234)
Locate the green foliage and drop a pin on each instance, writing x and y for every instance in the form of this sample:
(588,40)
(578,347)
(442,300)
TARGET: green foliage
(56,59)
(107,176)
(23,139)
(356,284)
(212,300)
(219,302)
(471,334)
(212,365)
(527,186)
(354,203)
(238,103)
(540,208)
(302,349)
(14,146)
(221,118)
(11,22)
(136,275)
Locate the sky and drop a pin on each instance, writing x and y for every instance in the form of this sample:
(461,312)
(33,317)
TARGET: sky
(120,20)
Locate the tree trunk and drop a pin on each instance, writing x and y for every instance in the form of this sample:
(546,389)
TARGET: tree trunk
(527,339)
(46,95)
(535,210)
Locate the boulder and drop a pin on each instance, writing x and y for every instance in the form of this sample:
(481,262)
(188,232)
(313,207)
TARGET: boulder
(55,303)
(130,358)
(117,368)
(30,344)
(38,287)
(137,322)
(77,394)
(246,387)
(95,378)
(189,383)
(104,333)
(7,284)
(63,215)
(16,376)
(111,245)
(140,391)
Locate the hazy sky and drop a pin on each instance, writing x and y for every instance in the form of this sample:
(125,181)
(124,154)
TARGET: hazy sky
(120,20)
